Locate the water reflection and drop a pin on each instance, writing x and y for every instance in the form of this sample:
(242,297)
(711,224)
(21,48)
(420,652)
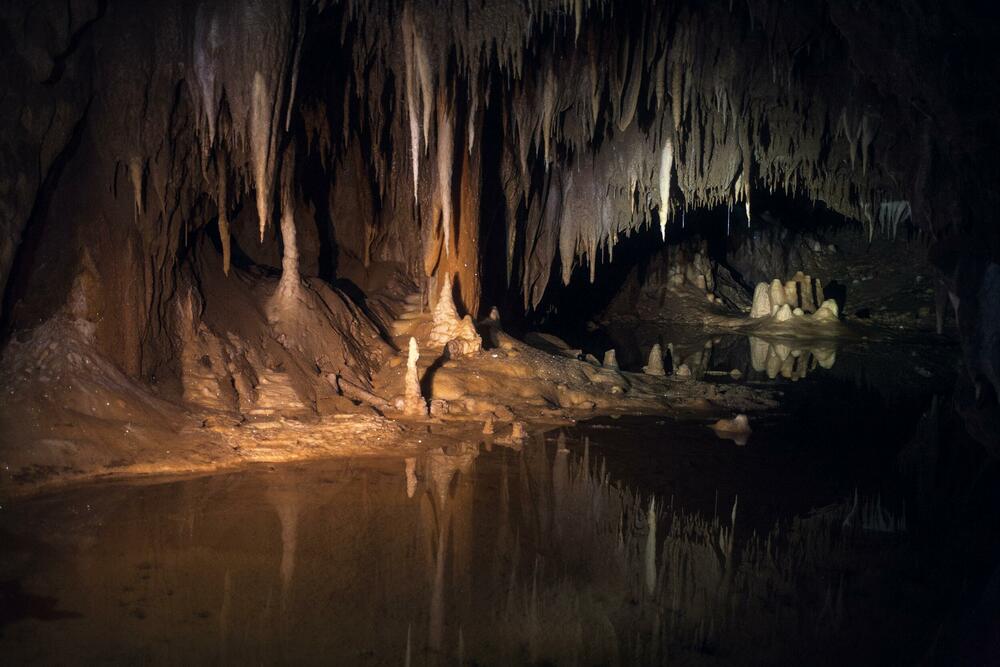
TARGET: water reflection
(792,361)
(738,356)
(475,552)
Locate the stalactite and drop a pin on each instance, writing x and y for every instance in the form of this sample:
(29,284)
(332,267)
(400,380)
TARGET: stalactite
(666,166)
(290,285)
(137,177)
(548,113)
(413,113)
(261,126)
(445,159)
(222,203)
(684,108)
(426,77)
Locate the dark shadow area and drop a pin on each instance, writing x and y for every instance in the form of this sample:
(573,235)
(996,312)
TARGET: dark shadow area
(19,279)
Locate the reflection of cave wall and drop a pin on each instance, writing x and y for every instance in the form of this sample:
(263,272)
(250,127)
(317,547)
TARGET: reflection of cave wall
(427,134)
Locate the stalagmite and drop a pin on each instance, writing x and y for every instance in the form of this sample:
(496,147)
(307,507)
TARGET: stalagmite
(413,403)
(518,431)
(610,361)
(761,302)
(792,293)
(459,335)
(827,312)
(655,364)
(777,294)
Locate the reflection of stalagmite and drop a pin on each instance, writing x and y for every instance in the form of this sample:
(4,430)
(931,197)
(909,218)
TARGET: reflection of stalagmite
(413,403)
(224,613)
(286,505)
(560,482)
(650,555)
(779,358)
(655,364)
(411,476)
(758,353)
(826,357)
(441,471)
(736,429)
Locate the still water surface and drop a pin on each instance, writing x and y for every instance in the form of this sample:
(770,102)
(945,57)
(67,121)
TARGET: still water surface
(638,540)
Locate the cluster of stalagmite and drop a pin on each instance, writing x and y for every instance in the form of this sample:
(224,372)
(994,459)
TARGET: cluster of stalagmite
(799,297)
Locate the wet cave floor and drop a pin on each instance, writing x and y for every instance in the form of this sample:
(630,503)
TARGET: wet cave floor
(637,539)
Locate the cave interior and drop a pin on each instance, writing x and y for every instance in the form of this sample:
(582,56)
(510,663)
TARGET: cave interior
(677,322)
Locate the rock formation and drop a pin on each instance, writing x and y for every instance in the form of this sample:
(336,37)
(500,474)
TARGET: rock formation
(413,402)
(459,335)
(655,364)
(800,297)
